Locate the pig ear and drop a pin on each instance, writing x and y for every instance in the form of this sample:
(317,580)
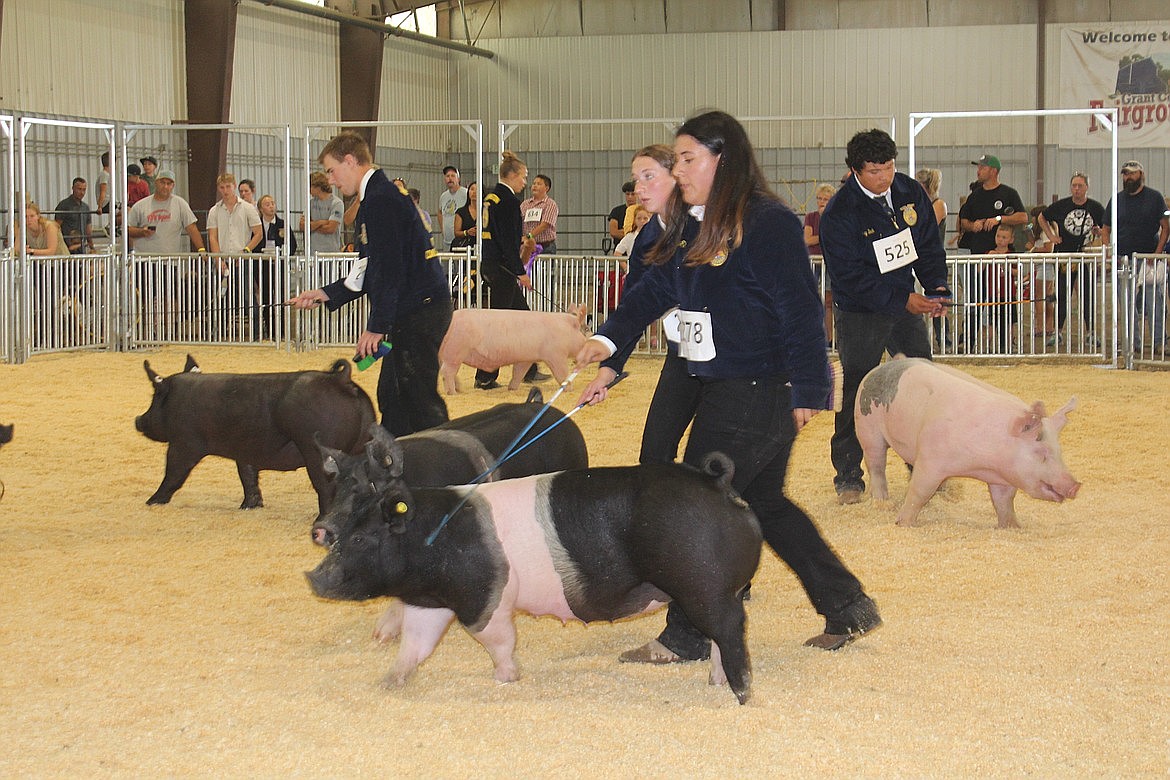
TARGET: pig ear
(396,511)
(151,374)
(1060,419)
(1029,421)
(330,458)
(384,452)
(191,367)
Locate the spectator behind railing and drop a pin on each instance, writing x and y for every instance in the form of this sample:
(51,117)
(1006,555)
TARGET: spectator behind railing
(466,220)
(156,224)
(42,236)
(73,217)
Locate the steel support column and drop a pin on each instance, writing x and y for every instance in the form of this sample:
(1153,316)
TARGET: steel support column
(210,28)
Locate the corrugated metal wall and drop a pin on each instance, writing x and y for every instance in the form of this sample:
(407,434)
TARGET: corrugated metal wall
(285,69)
(99,58)
(813,73)
(94,58)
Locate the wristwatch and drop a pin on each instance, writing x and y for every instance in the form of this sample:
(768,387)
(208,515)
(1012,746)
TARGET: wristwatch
(998,219)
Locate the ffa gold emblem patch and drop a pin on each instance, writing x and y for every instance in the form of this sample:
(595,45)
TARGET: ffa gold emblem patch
(719,259)
(365,239)
(910,215)
(280,233)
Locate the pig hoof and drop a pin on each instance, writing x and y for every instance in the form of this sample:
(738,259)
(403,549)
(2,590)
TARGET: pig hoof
(505,676)
(743,695)
(849,496)
(653,652)
(157,499)
(252,505)
(394,681)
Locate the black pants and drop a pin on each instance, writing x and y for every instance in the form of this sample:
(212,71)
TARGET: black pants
(503,292)
(861,338)
(408,385)
(671,410)
(750,421)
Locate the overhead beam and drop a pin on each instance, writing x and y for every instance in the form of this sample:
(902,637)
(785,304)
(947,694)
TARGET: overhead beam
(385,29)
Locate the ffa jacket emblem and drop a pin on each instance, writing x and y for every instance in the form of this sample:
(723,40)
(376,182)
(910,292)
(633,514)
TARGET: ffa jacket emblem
(910,215)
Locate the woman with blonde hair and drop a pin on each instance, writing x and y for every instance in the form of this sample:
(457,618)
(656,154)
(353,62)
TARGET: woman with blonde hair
(42,236)
(931,180)
(505,249)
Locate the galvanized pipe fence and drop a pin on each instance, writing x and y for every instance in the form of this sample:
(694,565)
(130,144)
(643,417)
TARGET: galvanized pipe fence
(1009,307)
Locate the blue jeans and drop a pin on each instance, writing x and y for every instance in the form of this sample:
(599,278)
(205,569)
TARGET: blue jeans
(1153,307)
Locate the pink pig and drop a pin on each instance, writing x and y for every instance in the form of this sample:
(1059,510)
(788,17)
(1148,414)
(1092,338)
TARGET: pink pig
(490,338)
(945,423)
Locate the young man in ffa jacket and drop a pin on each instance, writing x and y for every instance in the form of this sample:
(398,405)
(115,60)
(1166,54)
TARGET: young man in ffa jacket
(877,234)
(398,270)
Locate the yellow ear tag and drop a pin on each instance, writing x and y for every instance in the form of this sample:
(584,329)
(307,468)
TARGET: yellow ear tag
(401,507)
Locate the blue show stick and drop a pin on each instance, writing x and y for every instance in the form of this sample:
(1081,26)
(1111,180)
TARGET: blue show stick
(533,440)
(503,456)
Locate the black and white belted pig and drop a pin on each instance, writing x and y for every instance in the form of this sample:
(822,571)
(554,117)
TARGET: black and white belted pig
(587,544)
(464,449)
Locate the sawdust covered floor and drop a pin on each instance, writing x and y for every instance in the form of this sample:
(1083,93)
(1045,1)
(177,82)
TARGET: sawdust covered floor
(183,640)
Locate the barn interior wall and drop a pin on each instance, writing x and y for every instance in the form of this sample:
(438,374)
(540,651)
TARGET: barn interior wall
(286,73)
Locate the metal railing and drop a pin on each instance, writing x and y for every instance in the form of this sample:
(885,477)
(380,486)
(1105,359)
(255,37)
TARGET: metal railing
(1020,306)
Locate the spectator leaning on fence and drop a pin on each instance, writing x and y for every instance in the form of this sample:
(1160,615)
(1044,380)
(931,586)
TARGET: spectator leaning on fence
(156,224)
(233,226)
(617,216)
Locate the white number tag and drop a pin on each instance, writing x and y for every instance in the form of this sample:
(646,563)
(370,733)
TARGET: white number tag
(670,325)
(895,251)
(533,215)
(357,274)
(695,340)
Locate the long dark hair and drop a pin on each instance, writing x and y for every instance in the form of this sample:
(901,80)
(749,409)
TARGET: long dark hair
(738,180)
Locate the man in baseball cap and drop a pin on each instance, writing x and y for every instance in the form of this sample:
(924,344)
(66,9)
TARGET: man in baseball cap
(990,160)
(156,224)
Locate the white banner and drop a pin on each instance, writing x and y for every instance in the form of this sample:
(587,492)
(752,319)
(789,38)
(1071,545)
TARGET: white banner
(1126,66)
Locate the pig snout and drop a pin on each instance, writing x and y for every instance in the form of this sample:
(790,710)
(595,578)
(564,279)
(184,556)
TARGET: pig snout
(323,533)
(1060,491)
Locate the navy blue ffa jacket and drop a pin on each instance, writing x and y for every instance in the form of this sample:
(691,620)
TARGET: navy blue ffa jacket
(851,226)
(501,226)
(647,236)
(766,315)
(402,266)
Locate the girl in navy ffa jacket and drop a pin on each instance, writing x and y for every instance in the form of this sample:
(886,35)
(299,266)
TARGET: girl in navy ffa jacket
(750,330)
